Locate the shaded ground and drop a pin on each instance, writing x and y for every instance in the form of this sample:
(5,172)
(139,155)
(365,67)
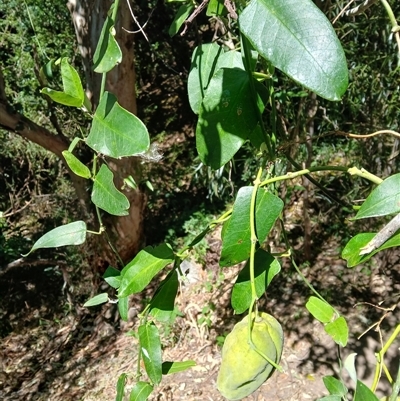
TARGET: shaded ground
(52,350)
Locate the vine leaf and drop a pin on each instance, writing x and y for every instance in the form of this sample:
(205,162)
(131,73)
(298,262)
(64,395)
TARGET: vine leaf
(76,165)
(363,393)
(335,386)
(123,307)
(106,196)
(115,131)
(141,391)
(203,67)
(112,277)
(351,251)
(140,271)
(227,115)
(180,17)
(108,53)
(236,242)
(73,94)
(266,267)
(97,300)
(296,37)
(383,200)
(163,303)
(150,343)
(68,234)
(338,330)
(321,310)
(175,367)
(121,387)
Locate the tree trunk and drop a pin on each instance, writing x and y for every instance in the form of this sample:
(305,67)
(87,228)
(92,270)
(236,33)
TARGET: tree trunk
(126,233)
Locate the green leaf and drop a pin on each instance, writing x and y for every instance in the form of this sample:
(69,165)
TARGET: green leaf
(236,241)
(163,303)
(349,365)
(180,17)
(363,393)
(338,330)
(230,59)
(141,270)
(112,276)
(121,387)
(383,200)
(150,343)
(68,234)
(73,94)
(335,386)
(351,252)
(296,37)
(204,60)
(123,307)
(321,310)
(175,367)
(97,300)
(108,53)
(141,391)
(71,81)
(330,398)
(216,7)
(266,267)
(76,165)
(106,196)
(115,131)
(227,115)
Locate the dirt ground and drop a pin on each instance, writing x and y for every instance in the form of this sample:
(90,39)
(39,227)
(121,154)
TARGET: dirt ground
(52,349)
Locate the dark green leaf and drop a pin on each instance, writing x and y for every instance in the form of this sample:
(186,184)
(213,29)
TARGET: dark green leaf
(76,165)
(123,307)
(141,391)
(204,61)
(108,53)
(141,270)
(363,393)
(97,300)
(150,343)
(227,115)
(335,386)
(236,242)
(216,7)
(163,303)
(175,367)
(115,131)
(106,196)
(230,59)
(338,330)
(266,267)
(383,200)
(180,17)
(68,234)
(112,276)
(71,81)
(296,37)
(121,387)
(321,310)
(351,252)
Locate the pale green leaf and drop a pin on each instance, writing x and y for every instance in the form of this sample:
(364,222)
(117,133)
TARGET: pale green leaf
(68,234)
(150,343)
(76,165)
(106,196)
(115,131)
(108,53)
(383,200)
(97,300)
(338,330)
(141,391)
(202,68)
(112,276)
(61,97)
(296,37)
(175,367)
(137,274)
(321,310)
(349,365)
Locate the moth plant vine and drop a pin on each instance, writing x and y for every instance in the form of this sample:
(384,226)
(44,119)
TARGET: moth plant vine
(231,89)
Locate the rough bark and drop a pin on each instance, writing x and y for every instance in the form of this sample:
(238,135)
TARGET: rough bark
(88,17)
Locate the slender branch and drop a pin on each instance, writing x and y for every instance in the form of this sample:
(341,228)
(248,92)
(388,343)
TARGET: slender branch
(194,14)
